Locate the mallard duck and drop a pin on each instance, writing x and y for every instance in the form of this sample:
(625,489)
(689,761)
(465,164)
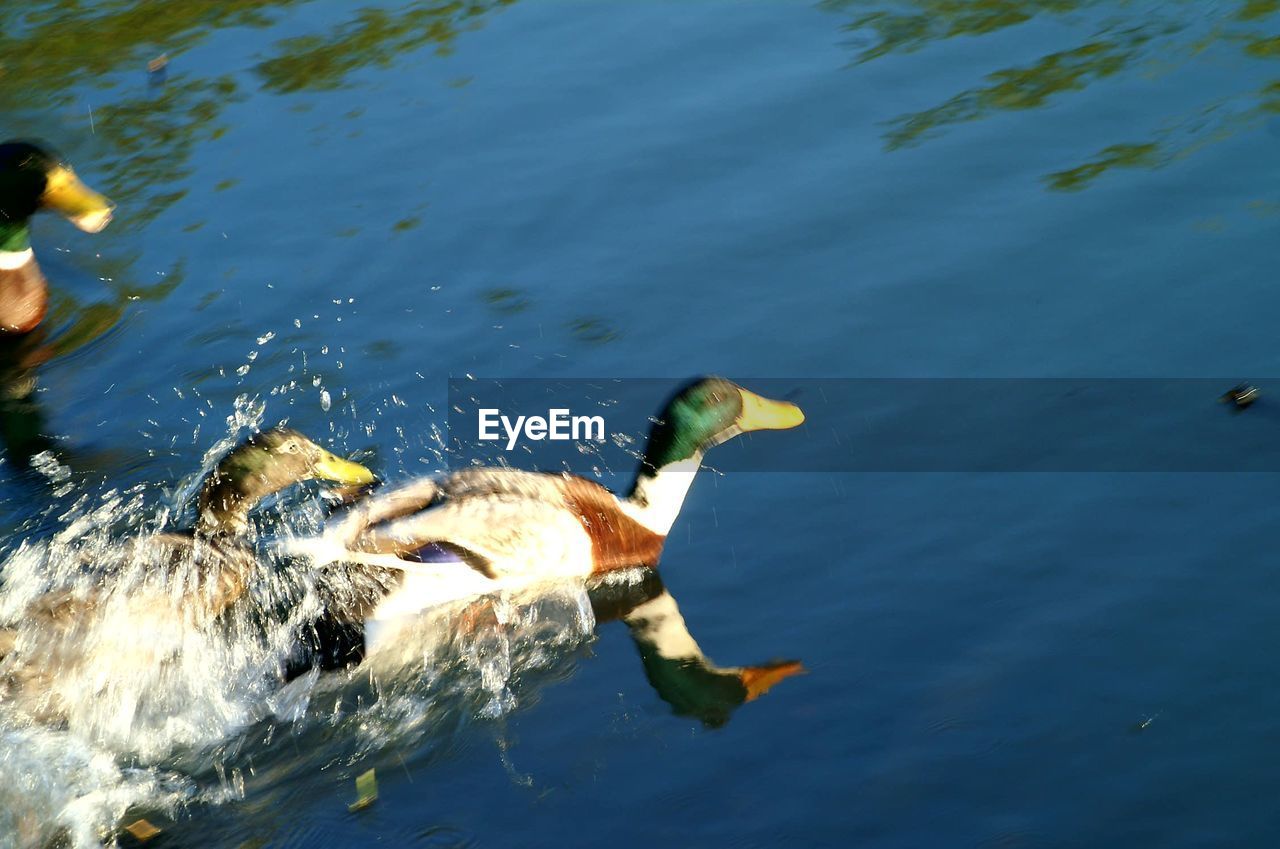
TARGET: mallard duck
(190,578)
(31,179)
(476,530)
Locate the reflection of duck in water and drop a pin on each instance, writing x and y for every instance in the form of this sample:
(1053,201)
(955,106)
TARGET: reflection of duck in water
(31,179)
(674,664)
(22,423)
(191,577)
(679,672)
(484,529)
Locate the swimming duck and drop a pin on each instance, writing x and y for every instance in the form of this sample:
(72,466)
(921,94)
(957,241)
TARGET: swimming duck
(32,178)
(438,540)
(50,638)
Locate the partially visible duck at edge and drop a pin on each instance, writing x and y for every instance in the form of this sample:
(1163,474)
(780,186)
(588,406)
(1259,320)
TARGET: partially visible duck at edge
(483,529)
(31,179)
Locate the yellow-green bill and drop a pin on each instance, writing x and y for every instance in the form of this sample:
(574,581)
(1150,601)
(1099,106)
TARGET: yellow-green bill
(82,206)
(331,467)
(760,413)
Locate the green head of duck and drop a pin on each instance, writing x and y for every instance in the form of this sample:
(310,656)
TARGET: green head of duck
(704,414)
(708,412)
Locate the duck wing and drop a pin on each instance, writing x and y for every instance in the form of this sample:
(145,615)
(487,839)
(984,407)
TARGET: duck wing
(504,520)
(202,578)
(65,607)
(548,487)
(497,534)
(57,616)
(385,507)
(617,540)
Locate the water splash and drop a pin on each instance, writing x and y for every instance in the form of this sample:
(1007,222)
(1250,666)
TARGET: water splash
(134,704)
(55,786)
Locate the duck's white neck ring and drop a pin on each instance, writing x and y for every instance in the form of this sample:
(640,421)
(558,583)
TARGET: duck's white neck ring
(11,260)
(656,500)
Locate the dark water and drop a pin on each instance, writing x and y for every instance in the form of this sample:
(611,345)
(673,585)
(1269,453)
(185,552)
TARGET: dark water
(317,200)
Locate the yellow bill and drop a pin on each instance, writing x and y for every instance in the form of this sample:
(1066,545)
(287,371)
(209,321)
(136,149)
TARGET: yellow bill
(331,467)
(764,414)
(81,205)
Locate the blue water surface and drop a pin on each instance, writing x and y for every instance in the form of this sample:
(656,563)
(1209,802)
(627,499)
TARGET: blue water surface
(335,210)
